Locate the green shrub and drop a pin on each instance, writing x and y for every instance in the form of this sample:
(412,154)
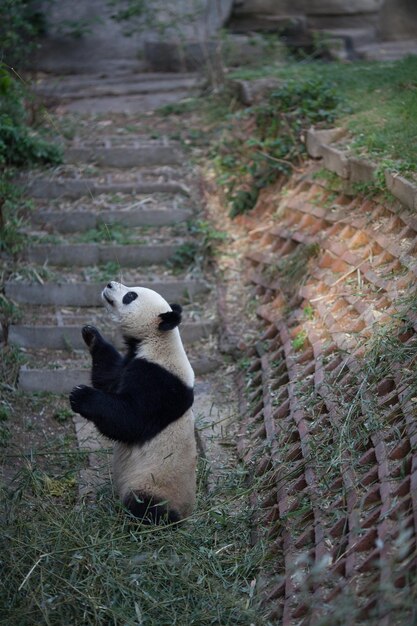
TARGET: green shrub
(19,144)
(275,128)
(21,22)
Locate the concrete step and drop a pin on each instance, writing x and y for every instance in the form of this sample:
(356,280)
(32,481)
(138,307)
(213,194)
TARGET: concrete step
(69,337)
(84,255)
(124,88)
(146,82)
(343,43)
(126,105)
(77,188)
(139,154)
(353,37)
(88,294)
(78,221)
(63,380)
(388,50)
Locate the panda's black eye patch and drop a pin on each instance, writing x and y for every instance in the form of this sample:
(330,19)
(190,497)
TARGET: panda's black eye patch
(129,297)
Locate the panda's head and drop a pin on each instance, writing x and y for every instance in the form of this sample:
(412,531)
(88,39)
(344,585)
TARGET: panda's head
(139,312)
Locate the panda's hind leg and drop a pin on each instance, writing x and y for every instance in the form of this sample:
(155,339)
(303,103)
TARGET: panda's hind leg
(149,510)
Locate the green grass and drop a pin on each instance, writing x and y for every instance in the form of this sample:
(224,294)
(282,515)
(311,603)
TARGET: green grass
(378,103)
(66,562)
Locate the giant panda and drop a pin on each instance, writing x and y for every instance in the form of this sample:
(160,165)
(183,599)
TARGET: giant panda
(142,401)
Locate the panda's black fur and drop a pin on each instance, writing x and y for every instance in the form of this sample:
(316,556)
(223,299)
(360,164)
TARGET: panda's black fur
(134,399)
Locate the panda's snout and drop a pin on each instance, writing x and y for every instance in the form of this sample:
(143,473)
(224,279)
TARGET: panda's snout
(105,295)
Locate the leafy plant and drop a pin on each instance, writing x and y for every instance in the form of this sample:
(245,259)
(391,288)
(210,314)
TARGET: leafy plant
(200,250)
(21,22)
(299,340)
(266,141)
(115,233)
(20,145)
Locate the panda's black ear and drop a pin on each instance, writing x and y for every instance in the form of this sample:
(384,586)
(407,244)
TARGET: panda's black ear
(171,319)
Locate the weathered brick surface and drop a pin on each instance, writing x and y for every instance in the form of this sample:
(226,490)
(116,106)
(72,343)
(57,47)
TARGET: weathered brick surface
(329,430)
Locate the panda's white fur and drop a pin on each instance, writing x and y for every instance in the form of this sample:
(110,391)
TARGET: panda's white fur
(154,461)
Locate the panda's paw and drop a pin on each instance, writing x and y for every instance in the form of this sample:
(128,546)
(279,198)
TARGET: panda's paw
(91,336)
(80,399)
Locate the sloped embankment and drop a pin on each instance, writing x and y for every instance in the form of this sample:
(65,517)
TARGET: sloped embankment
(329,428)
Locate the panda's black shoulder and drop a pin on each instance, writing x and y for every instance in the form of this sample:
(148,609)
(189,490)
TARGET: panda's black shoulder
(155,394)
(155,381)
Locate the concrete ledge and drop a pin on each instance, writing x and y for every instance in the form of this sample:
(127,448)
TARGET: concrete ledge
(361,171)
(88,294)
(44,188)
(402,189)
(63,380)
(336,161)
(317,138)
(357,170)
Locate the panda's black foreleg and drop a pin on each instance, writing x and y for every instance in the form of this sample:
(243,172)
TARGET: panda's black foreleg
(114,415)
(106,360)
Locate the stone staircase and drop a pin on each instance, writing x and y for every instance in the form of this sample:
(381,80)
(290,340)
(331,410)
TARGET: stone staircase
(94,223)
(129,92)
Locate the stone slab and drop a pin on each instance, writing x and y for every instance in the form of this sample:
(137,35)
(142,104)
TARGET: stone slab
(69,337)
(404,190)
(353,37)
(87,435)
(361,170)
(44,188)
(88,294)
(125,157)
(63,380)
(398,19)
(327,7)
(77,221)
(122,88)
(388,50)
(316,138)
(248,92)
(127,105)
(84,255)
(59,84)
(335,160)
(52,381)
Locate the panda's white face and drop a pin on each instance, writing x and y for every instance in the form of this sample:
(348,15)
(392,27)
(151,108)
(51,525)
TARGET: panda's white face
(136,310)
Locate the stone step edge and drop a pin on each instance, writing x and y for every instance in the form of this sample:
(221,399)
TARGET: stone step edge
(90,254)
(63,380)
(89,294)
(76,221)
(46,188)
(354,169)
(69,337)
(131,84)
(125,157)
